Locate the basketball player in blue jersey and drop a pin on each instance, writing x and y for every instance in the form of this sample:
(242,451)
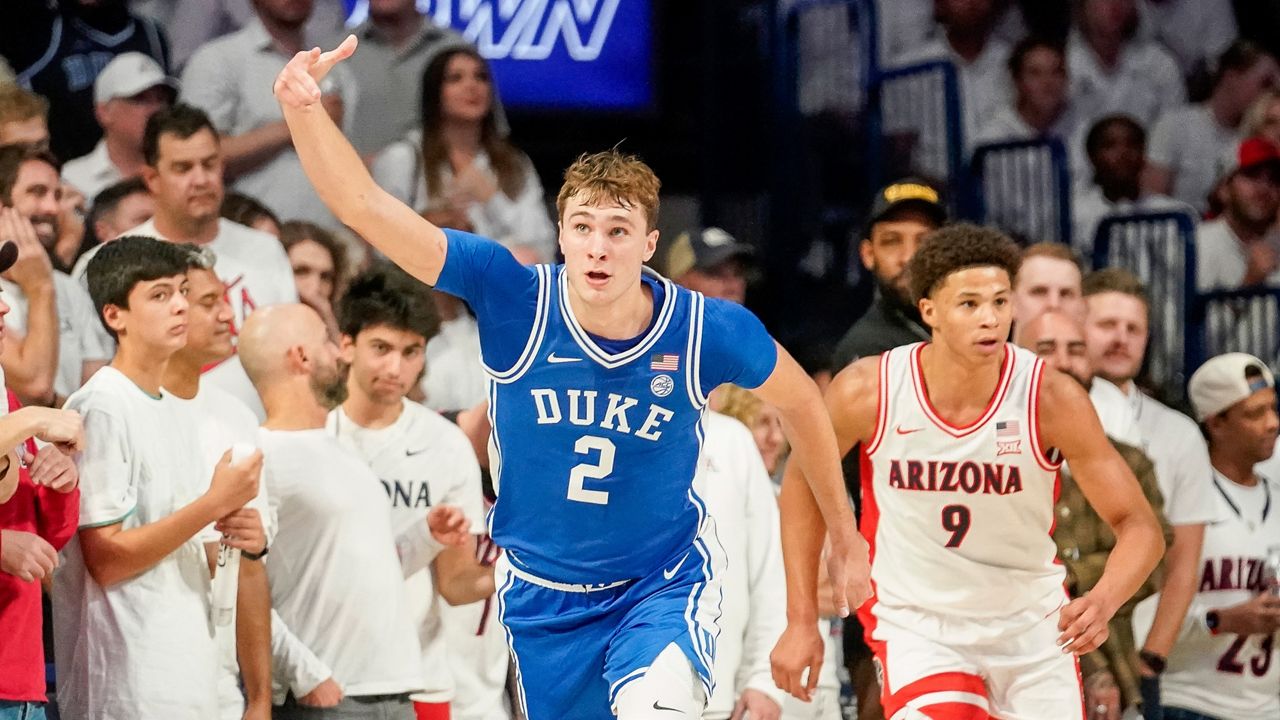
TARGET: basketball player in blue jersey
(598,375)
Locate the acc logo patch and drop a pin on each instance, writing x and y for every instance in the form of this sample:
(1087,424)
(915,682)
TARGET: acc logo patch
(662,385)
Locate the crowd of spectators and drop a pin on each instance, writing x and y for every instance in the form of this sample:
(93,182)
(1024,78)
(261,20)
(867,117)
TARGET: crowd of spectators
(154,121)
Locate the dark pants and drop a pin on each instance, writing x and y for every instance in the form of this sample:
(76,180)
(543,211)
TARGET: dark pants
(362,707)
(1150,689)
(17,710)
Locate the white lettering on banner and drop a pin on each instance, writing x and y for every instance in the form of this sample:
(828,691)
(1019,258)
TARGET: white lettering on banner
(528,29)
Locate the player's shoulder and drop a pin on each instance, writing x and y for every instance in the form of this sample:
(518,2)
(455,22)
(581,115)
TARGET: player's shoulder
(858,379)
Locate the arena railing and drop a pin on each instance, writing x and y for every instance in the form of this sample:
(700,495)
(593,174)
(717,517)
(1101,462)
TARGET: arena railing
(1024,188)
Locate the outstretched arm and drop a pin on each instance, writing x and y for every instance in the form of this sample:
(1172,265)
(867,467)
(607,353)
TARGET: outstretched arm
(339,176)
(1068,423)
(814,497)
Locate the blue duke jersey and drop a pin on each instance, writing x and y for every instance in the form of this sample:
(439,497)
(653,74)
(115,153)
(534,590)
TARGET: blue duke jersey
(596,441)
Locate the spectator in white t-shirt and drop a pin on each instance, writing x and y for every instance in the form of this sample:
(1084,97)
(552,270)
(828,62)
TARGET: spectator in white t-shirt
(128,91)
(459,170)
(184,173)
(1187,142)
(1115,71)
(454,379)
(1041,107)
(426,464)
(344,643)
(981,59)
(1116,147)
(1116,334)
(1240,248)
(242,626)
(131,602)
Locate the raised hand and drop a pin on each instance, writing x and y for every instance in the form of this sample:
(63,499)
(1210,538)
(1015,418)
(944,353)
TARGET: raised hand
(233,486)
(298,84)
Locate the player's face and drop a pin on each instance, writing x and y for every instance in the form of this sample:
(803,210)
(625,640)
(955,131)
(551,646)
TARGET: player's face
(156,319)
(1046,283)
(604,248)
(1115,332)
(467,91)
(770,439)
(385,362)
(209,318)
(1250,426)
(187,179)
(1059,341)
(892,243)
(971,311)
(37,192)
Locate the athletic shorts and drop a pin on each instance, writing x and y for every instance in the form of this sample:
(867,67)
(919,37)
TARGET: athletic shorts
(941,668)
(574,647)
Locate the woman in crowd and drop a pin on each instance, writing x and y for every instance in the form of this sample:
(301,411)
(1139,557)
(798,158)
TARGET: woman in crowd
(459,171)
(319,266)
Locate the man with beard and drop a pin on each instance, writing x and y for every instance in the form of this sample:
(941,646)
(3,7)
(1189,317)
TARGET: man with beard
(901,215)
(57,340)
(1240,248)
(1084,542)
(1116,333)
(343,640)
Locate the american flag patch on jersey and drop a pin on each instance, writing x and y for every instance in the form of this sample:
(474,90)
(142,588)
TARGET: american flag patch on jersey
(669,362)
(1007,428)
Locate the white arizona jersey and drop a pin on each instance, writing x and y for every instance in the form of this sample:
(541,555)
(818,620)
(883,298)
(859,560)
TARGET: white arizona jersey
(959,518)
(422,460)
(1229,676)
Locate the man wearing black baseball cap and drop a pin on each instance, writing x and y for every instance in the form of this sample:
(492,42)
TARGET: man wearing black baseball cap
(901,215)
(711,262)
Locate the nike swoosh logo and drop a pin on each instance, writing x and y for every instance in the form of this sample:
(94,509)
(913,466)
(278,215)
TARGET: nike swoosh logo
(900,431)
(656,706)
(552,358)
(411,453)
(668,574)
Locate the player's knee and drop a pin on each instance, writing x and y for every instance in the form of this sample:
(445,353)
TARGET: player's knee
(670,684)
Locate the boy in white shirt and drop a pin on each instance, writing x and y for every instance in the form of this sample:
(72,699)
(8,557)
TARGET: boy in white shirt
(426,464)
(133,636)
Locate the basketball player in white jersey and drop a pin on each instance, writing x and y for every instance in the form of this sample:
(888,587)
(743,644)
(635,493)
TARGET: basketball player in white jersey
(1225,664)
(962,438)
(425,463)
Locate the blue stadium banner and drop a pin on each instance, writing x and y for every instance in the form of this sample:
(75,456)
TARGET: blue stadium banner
(555,54)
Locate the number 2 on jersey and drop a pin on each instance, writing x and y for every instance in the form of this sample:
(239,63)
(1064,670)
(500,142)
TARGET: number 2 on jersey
(955,519)
(599,470)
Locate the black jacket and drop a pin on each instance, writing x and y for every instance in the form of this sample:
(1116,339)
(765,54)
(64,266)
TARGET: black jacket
(886,325)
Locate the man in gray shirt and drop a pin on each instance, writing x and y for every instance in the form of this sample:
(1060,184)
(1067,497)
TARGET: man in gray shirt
(229,78)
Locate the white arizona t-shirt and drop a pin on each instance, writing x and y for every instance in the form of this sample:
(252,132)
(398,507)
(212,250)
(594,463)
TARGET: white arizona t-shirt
(422,460)
(336,583)
(223,421)
(142,648)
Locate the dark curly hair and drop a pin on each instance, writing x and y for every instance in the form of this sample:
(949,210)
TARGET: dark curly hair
(957,247)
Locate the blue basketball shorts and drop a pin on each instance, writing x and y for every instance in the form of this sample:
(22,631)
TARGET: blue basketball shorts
(575,647)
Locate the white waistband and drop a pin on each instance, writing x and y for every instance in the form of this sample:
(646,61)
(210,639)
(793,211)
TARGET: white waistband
(506,565)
